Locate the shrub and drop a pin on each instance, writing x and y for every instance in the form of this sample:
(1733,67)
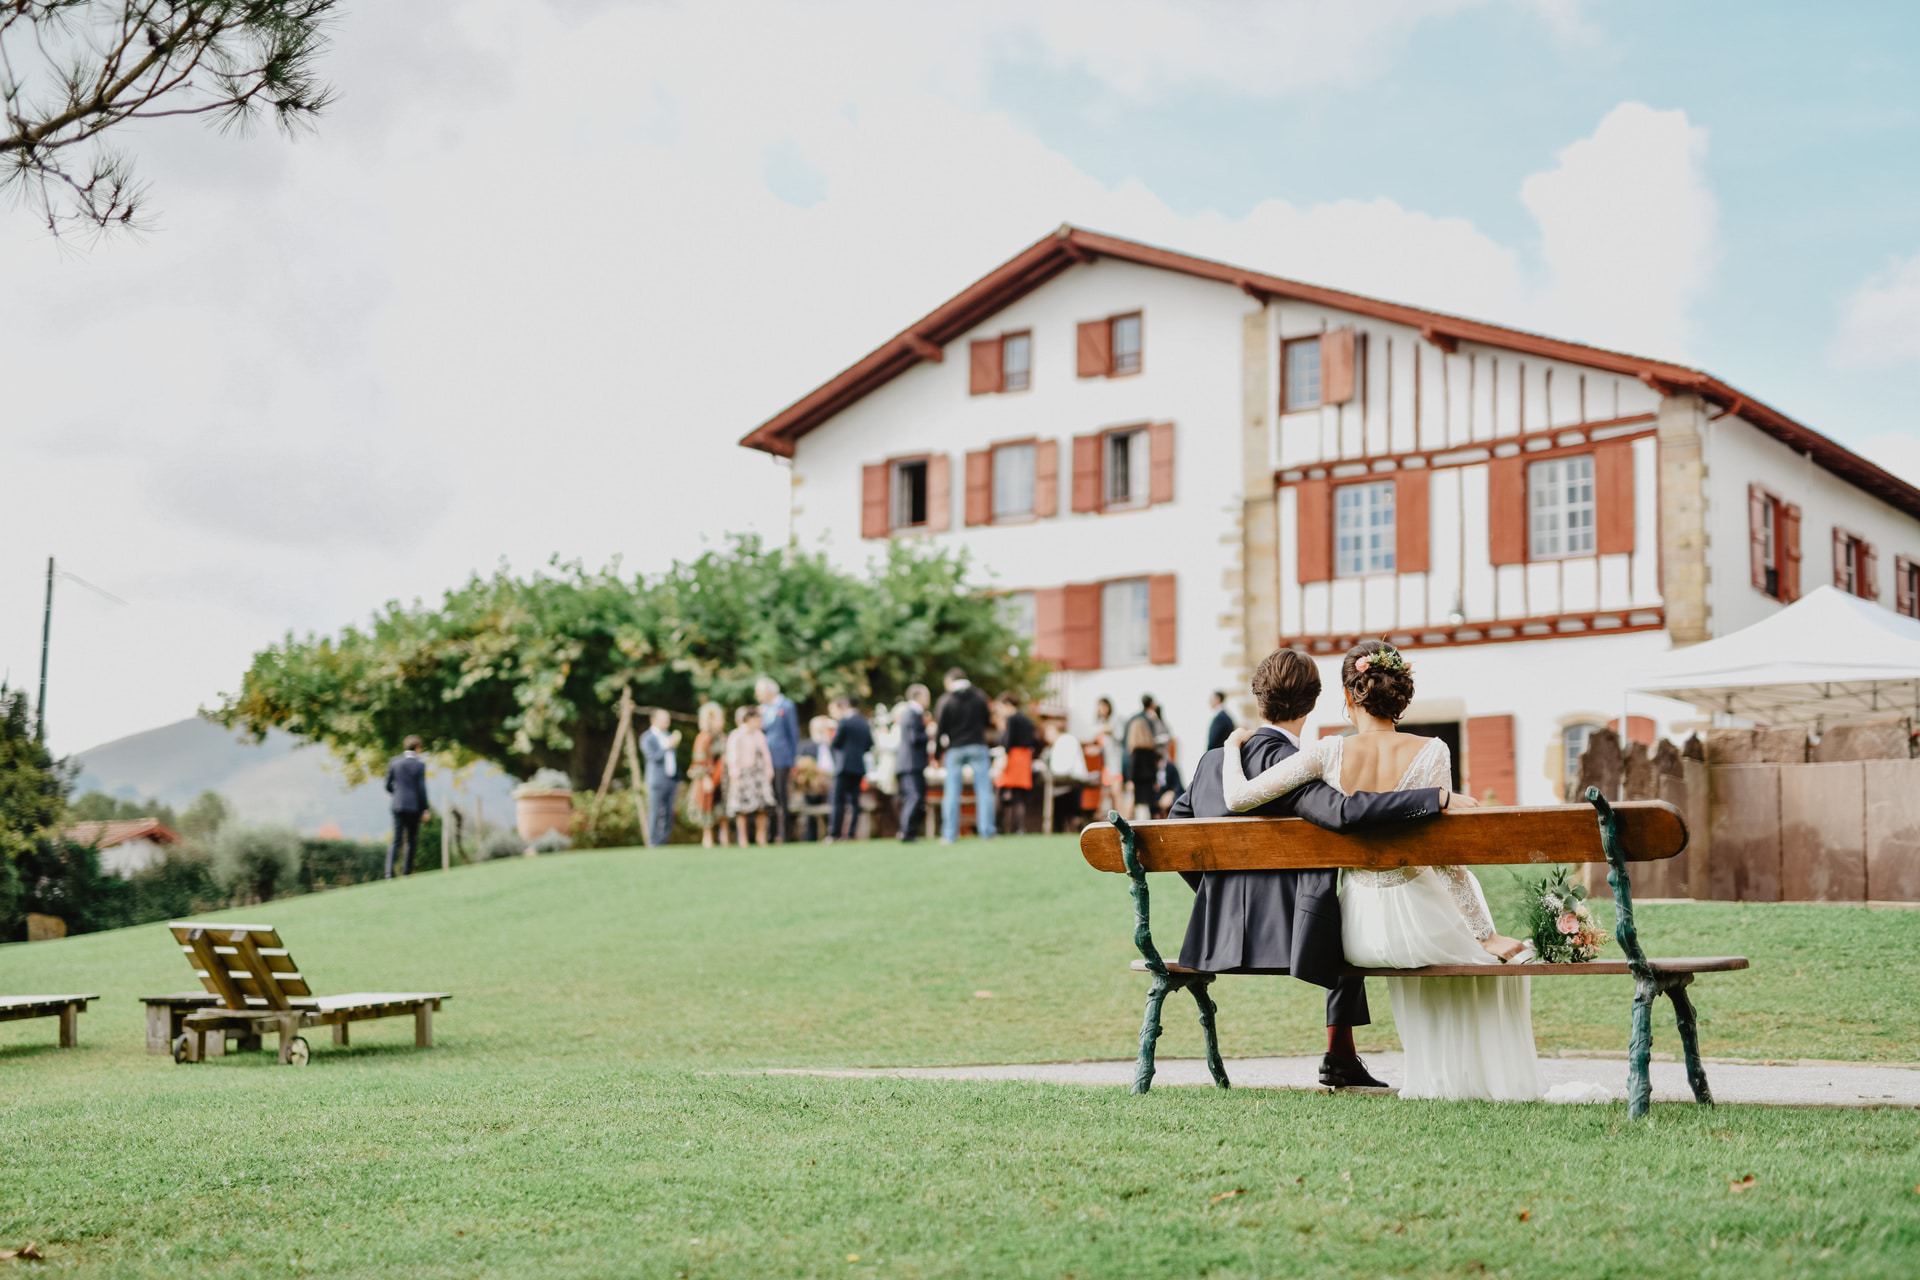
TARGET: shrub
(254,863)
(500,842)
(552,842)
(182,883)
(334,864)
(619,824)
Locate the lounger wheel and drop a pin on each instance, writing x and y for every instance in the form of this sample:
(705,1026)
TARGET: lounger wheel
(298,1052)
(180,1047)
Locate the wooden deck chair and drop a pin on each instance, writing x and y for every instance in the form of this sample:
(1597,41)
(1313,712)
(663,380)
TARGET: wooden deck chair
(66,1008)
(259,989)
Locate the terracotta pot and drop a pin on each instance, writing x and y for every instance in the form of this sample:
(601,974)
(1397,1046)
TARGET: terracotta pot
(538,810)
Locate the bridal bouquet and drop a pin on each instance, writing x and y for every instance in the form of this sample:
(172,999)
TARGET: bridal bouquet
(1559,921)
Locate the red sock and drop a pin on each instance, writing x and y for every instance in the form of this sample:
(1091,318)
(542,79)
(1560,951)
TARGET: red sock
(1340,1042)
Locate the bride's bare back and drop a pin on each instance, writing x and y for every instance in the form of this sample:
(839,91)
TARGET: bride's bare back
(1378,761)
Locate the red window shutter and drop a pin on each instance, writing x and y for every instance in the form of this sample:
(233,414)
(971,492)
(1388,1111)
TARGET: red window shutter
(1313,530)
(1086,473)
(1490,771)
(1083,626)
(1050,625)
(1339,361)
(1046,479)
(939,493)
(1869,572)
(1411,522)
(1094,349)
(1758,501)
(1790,559)
(1639,729)
(1163,631)
(1613,498)
(1507,510)
(873,501)
(1902,586)
(984,367)
(1160,463)
(979,486)
(1841,548)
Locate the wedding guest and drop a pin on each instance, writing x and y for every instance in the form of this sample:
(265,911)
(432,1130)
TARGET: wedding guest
(750,775)
(407,783)
(1142,744)
(1066,767)
(707,775)
(1019,740)
(960,722)
(1113,759)
(1222,723)
(910,760)
(780,721)
(852,739)
(660,748)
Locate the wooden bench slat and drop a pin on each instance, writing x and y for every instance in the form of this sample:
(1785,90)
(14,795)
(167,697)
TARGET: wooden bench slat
(1490,836)
(1677,964)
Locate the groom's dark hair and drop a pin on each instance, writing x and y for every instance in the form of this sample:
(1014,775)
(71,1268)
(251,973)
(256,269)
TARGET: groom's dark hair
(1286,685)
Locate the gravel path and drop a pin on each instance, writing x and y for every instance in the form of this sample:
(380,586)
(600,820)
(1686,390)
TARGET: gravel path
(1794,1084)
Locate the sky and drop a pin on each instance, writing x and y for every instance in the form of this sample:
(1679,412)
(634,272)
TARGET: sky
(547,260)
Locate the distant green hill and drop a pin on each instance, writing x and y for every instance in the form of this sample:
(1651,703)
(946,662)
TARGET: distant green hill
(280,780)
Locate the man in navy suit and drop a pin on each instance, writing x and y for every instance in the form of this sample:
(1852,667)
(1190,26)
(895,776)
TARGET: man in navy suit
(852,739)
(407,783)
(1221,727)
(659,746)
(1289,921)
(910,762)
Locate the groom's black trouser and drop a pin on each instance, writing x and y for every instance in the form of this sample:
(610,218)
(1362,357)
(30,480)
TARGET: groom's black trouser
(1347,1004)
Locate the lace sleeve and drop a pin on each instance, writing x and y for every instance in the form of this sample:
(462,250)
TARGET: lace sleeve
(1243,795)
(1469,897)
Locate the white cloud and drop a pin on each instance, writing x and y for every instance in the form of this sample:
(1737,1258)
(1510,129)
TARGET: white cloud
(526,300)
(1880,320)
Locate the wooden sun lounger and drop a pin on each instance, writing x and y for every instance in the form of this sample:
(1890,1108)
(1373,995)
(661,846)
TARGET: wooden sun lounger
(66,1008)
(257,989)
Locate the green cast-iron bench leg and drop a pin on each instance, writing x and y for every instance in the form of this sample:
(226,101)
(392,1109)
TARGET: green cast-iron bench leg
(1163,982)
(1648,985)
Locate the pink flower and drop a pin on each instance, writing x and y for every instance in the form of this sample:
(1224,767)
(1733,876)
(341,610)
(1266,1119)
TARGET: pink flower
(1568,924)
(1362,664)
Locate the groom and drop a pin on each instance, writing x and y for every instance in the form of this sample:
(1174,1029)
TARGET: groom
(1289,921)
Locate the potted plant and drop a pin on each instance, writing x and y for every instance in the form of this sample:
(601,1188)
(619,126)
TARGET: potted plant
(542,804)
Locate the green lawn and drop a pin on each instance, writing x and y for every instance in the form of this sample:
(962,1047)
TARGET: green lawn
(592,1107)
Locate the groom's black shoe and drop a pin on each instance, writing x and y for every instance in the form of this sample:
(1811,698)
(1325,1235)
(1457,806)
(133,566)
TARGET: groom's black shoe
(1347,1073)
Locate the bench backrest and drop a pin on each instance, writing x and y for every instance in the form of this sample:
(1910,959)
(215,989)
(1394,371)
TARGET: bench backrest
(245,965)
(1649,830)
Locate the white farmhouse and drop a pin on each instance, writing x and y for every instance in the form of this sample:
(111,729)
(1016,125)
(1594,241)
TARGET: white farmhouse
(1172,465)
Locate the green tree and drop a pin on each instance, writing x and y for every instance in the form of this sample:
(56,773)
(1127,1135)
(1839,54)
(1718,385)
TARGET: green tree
(204,817)
(527,672)
(73,70)
(98,806)
(33,790)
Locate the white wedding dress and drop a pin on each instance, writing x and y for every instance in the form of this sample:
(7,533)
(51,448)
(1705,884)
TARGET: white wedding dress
(1464,1037)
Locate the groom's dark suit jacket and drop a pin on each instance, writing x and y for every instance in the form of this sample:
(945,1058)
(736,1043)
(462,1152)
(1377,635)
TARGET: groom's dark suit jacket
(1286,921)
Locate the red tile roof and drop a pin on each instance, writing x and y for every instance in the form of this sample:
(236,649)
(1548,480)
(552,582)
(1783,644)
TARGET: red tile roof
(105,835)
(1069,245)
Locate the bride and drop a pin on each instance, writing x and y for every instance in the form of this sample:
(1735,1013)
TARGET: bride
(1464,1037)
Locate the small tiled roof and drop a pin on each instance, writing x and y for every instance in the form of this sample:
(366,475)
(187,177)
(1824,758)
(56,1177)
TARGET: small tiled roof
(105,835)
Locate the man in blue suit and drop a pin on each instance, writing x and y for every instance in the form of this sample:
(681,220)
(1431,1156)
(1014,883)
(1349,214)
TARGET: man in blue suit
(407,784)
(659,746)
(1220,728)
(781,721)
(910,762)
(852,739)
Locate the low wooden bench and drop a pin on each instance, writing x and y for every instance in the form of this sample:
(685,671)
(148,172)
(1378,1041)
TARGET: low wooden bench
(1632,831)
(66,1008)
(256,988)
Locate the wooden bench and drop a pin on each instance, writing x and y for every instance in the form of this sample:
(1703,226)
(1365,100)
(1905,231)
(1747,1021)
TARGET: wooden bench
(257,988)
(1632,831)
(66,1008)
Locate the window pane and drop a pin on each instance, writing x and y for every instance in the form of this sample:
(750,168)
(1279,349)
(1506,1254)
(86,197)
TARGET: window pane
(909,494)
(1016,607)
(1126,344)
(1573,741)
(1560,506)
(1124,624)
(1363,529)
(1016,362)
(1302,375)
(1126,467)
(1013,481)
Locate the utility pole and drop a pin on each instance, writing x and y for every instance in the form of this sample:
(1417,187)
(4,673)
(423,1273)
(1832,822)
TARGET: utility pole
(46,635)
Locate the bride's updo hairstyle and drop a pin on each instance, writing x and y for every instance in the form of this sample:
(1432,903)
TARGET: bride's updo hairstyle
(1377,677)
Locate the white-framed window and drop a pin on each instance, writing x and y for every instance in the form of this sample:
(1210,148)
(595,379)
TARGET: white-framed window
(1012,481)
(1126,343)
(1016,362)
(1363,540)
(909,504)
(1017,610)
(1300,374)
(1768,536)
(1573,745)
(1126,624)
(1125,467)
(1560,507)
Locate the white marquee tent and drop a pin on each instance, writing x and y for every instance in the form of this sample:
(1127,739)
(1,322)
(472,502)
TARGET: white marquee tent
(1826,658)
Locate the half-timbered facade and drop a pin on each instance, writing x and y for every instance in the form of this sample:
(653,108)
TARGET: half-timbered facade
(1169,465)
